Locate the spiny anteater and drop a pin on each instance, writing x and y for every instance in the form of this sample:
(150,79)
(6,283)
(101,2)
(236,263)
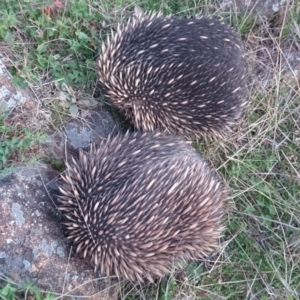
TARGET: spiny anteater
(137,203)
(183,75)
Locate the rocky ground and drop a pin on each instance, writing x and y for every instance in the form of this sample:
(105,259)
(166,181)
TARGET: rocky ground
(32,245)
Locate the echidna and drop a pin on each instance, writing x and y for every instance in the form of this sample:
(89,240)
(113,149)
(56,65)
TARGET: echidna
(187,76)
(138,203)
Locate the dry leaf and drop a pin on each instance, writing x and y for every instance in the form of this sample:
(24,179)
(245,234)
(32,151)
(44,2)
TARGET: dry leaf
(54,8)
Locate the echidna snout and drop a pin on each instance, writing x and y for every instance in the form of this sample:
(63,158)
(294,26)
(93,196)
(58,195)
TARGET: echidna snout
(186,76)
(137,204)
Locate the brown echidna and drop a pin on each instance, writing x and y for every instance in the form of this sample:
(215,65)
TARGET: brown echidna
(138,203)
(186,76)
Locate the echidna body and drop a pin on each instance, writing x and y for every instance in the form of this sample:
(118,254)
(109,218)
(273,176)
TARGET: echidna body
(138,203)
(186,76)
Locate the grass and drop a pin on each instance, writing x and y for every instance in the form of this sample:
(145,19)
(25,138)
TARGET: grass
(13,291)
(259,256)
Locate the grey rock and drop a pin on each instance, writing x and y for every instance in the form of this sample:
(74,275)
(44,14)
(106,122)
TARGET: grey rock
(95,128)
(32,244)
(10,96)
(80,133)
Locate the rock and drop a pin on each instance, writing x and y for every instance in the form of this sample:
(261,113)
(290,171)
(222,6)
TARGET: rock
(32,245)
(10,96)
(80,133)
(95,128)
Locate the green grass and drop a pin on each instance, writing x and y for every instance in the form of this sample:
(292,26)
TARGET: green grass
(259,256)
(12,291)
(48,40)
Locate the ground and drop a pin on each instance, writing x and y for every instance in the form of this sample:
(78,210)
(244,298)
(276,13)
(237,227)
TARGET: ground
(51,48)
